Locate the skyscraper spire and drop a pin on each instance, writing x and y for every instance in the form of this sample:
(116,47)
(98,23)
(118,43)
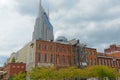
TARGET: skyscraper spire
(48,14)
(40,8)
(43,30)
(40,2)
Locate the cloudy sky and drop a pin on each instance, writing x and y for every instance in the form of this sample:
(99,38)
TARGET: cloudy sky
(94,22)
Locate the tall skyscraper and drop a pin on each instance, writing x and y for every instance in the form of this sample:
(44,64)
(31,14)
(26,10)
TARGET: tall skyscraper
(43,30)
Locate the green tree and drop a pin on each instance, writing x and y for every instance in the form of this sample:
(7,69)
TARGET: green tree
(49,73)
(35,74)
(66,73)
(43,73)
(11,78)
(19,76)
(101,72)
(81,73)
(13,60)
(71,73)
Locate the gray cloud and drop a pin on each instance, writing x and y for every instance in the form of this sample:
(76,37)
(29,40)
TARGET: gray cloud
(95,22)
(27,7)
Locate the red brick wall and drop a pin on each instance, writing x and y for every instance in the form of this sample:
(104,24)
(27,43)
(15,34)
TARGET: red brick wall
(112,48)
(14,68)
(67,53)
(109,61)
(91,56)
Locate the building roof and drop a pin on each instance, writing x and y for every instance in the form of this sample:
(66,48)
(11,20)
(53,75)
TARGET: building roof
(112,55)
(115,55)
(103,55)
(100,54)
(112,48)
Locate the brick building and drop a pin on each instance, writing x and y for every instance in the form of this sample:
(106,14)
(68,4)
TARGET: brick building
(98,58)
(112,48)
(13,68)
(91,56)
(47,53)
(55,54)
(109,60)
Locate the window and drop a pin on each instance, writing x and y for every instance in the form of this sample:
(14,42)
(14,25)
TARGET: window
(109,62)
(118,63)
(74,60)
(58,49)
(13,66)
(102,61)
(40,46)
(67,50)
(68,60)
(90,61)
(91,53)
(87,61)
(106,62)
(62,49)
(46,47)
(45,58)
(51,48)
(58,59)
(39,57)
(99,61)
(112,64)
(73,51)
(94,61)
(22,67)
(51,58)
(18,66)
(63,59)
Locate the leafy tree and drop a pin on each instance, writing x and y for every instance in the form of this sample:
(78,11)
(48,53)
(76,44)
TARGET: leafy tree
(49,73)
(34,74)
(81,73)
(19,76)
(71,73)
(101,72)
(13,60)
(11,78)
(42,73)
(66,73)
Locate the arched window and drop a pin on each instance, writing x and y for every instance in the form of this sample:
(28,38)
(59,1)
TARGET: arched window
(51,58)
(46,47)
(63,59)
(39,57)
(58,59)
(62,49)
(45,58)
(39,46)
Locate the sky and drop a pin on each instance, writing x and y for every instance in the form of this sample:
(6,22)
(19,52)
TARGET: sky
(94,22)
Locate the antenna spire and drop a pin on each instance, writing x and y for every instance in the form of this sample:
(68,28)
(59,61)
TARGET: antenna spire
(40,8)
(40,2)
(48,13)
